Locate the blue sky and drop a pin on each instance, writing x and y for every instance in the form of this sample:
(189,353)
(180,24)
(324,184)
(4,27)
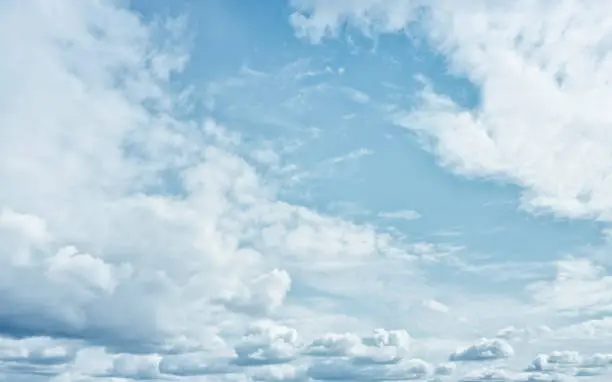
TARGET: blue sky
(304,190)
(400,175)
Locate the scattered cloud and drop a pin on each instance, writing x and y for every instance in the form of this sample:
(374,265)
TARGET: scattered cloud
(486,349)
(401,215)
(542,73)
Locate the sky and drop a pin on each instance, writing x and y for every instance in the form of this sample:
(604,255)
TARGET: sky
(305,190)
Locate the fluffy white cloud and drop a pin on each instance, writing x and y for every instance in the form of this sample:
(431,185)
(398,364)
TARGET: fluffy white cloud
(383,346)
(263,294)
(121,223)
(267,343)
(396,338)
(542,70)
(318,19)
(485,349)
(132,238)
(335,344)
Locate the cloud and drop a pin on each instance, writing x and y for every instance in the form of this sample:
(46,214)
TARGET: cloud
(485,349)
(35,355)
(542,77)
(334,344)
(316,19)
(487,375)
(136,366)
(195,364)
(401,215)
(580,285)
(262,295)
(137,242)
(436,306)
(124,224)
(589,329)
(346,370)
(279,373)
(267,343)
(382,346)
(512,333)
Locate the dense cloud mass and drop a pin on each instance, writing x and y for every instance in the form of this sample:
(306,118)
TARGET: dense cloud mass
(141,242)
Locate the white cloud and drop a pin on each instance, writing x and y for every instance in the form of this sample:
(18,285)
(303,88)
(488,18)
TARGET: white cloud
(401,215)
(194,364)
(335,344)
(318,19)
(381,347)
(579,286)
(31,227)
(596,329)
(487,374)
(262,295)
(36,351)
(122,224)
(542,71)
(485,349)
(136,366)
(396,338)
(436,305)
(133,240)
(279,373)
(340,369)
(268,343)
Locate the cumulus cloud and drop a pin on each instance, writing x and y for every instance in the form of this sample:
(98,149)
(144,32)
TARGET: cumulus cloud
(382,346)
(262,295)
(562,364)
(267,343)
(335,344)
(35,356)
(485,349)
(383,337)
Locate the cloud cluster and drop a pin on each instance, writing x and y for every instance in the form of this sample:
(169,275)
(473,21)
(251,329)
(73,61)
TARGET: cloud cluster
(269,351)
(486,349)
(542,71)
(138,243)
(136,236)
(121,223)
